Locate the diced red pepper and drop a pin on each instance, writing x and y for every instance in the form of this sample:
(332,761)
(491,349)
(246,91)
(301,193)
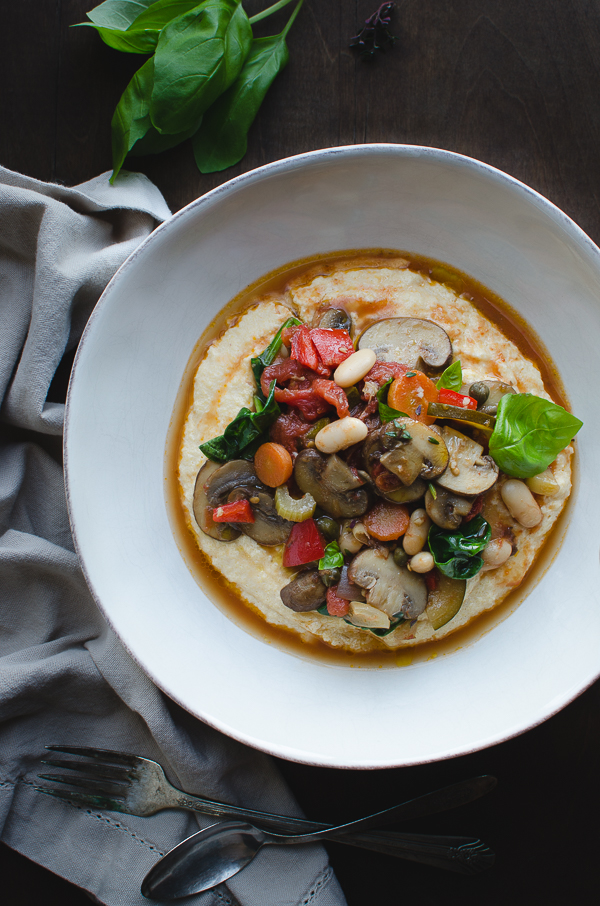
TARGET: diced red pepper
(333,346)
(305,352)
(333,394)
(238,511)
(336,606)
(304,544)
(450,398)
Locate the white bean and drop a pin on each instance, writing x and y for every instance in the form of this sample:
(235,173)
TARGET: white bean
(355,367)
(421,563)
(521,503)
(495,553)
(416,533)
(340,434)
(348,540)
(544,484)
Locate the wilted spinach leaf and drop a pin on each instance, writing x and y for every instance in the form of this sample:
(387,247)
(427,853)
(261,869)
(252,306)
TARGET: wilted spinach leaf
(198,56)
(244,434)
(222,140)
(266,357)
(457,553)
(529,434)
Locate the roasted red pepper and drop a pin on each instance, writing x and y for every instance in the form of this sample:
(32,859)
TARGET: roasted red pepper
(336,606)
(305,352)
(450,398)
(304,544)
(333,346)
(238,511)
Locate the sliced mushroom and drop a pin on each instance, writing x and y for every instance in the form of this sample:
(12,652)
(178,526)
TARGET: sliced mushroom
(366,616)
(469,471)
(237,480)
(336,319)
(447,509)
(412,341)
(407,494)
(488,394)
(333,484)
(268,528)
(409,450)
(221,531)
(393,589)
(305,592)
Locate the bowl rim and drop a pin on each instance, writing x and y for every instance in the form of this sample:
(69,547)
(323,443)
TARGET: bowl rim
(231,186)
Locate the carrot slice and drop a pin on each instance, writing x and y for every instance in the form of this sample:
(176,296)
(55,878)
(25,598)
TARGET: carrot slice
(273,464)
(411,393)
(387,521)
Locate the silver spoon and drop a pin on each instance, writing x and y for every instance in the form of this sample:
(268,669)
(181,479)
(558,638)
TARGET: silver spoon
(218,852)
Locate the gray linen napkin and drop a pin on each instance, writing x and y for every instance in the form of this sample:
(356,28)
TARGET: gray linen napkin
(64,677)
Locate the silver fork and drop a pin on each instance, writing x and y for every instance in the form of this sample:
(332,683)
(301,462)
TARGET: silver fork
(127,783)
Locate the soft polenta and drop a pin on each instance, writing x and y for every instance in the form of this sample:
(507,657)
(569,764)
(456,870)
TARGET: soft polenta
(364,494)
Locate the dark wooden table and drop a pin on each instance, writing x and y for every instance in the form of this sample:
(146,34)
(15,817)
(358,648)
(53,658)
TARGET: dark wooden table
(514,84)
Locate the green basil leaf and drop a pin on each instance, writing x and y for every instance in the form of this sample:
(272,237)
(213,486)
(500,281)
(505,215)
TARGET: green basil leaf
(332,558)
(131,119)
(259,363)
(118,14)
(141,35)
(457,553)
(386,413)
(222,140)
(153,142)
(198,56)
(244,434)
(451,378)
(529,434)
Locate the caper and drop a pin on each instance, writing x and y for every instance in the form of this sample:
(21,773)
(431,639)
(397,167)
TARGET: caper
(400,556)
(312,432)
(330,577)
(353,396)
(336,319)
(328,527)
(479,391)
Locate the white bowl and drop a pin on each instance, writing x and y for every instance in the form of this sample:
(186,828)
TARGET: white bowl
(125,383)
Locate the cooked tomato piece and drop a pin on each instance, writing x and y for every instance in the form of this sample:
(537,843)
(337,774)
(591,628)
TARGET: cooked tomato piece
(333,394)
(287,428)
(336,606)
(333,346)
(304,544)
(382,372)
(411,393)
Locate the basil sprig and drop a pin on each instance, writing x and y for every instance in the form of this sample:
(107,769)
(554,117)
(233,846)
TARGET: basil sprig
(529,434)
(242,437)
(207,77)
(457,553)
(451,378)
(262,361)
(332,558)
(386,413)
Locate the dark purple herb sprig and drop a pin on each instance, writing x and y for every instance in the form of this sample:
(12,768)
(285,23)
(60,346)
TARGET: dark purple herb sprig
(375,35)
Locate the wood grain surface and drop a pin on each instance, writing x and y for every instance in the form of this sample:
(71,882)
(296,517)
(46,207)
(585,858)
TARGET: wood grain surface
(515,84)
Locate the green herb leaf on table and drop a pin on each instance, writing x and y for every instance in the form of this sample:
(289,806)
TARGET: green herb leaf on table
(260,362)
(244,434)
(141,34)
(529,434)
(198,56)
(332,558)
(222,141)
(131,119)
(118,14)
(386,413)
(451,378)
(457,553)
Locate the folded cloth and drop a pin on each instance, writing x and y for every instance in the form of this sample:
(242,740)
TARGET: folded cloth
(64,677)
